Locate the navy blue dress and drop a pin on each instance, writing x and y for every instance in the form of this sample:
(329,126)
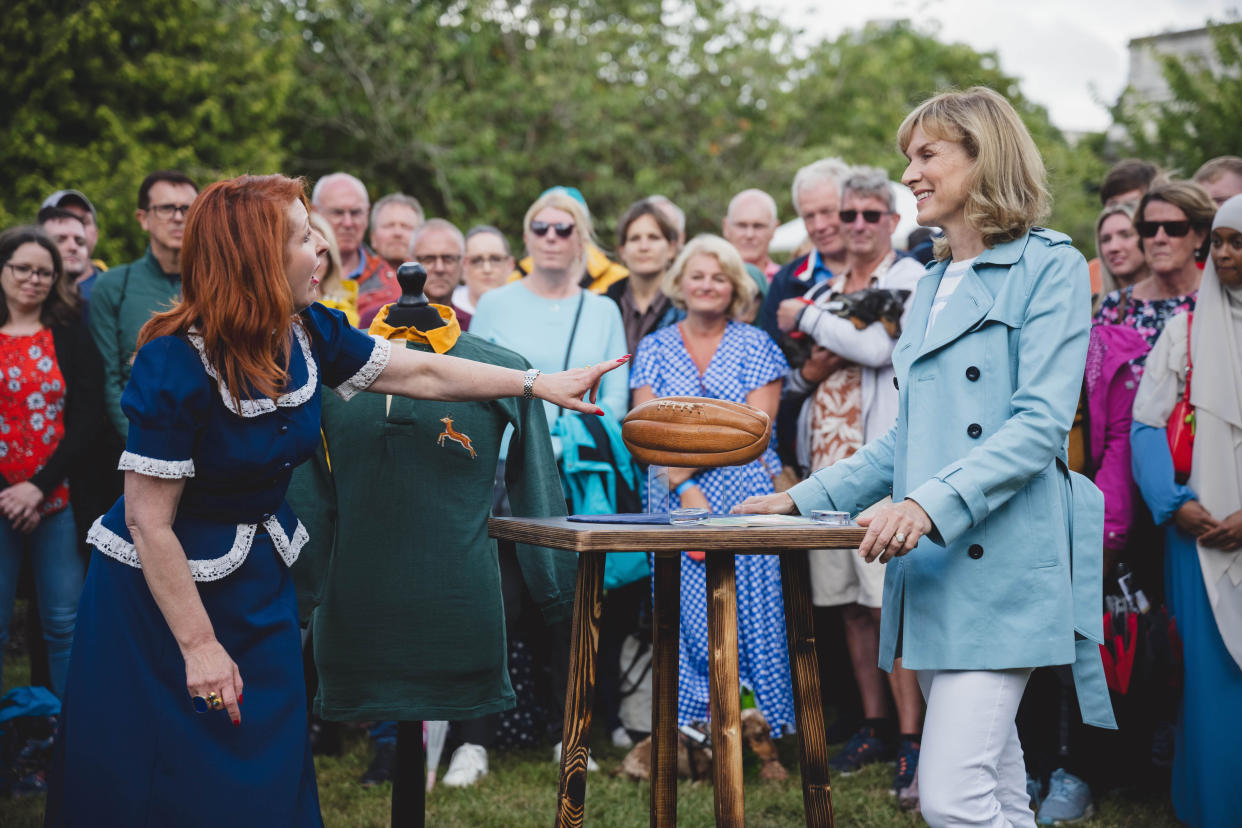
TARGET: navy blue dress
(132,750)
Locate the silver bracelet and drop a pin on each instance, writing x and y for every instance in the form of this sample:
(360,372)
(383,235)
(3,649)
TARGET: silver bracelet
(528,383)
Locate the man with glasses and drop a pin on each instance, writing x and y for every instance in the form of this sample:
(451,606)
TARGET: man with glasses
(124,297)
(488,264)
(749,225)
(342,199)
(856,403)
(440,248)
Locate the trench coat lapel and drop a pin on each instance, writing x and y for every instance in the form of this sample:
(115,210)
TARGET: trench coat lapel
(966,307)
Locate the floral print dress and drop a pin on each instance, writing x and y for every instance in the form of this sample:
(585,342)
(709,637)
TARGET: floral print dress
(32,409)
(1147,316)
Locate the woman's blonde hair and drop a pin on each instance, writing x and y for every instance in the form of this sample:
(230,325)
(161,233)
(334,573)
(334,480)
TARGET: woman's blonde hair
(562,200)
(1007,190)
(330,284)
(731,265)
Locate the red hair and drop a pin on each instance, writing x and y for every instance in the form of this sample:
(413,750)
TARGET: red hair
(234,291)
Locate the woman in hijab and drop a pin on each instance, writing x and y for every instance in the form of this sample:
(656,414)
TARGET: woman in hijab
(1203,551)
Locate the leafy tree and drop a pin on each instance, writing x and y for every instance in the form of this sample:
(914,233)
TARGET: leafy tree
(1203,113)
(696,101)
(98,94)
(857,89)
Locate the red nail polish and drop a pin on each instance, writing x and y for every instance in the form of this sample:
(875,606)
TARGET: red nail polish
(599,411)
(239,698)
(236,722)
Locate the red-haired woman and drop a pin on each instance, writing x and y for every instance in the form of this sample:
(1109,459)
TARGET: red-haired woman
(188,597)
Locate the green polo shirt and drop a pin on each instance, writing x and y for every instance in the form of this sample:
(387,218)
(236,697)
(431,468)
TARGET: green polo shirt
(122,301)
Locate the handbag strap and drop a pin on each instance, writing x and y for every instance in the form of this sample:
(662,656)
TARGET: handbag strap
(1190,367)
(573,331)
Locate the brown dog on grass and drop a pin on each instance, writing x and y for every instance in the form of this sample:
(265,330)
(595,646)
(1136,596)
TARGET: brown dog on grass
(695,762)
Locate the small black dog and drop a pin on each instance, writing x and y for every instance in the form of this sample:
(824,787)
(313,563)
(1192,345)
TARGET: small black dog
(883,305)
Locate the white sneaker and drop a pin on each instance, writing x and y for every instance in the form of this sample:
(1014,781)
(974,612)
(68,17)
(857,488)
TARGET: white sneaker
(621,738)
(468,765)
(556,757)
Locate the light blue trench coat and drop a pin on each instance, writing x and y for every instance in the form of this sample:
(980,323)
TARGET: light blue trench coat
(1011,574)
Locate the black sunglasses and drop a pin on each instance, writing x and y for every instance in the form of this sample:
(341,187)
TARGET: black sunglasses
(563,229)
(869,216)
(1174,229)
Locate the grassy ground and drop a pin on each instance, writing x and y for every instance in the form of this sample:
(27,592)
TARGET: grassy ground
(521,791)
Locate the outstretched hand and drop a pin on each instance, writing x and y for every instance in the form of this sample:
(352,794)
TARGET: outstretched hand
(568,388)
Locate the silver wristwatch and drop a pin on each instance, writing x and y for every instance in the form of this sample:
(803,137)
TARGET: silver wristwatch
(528,383)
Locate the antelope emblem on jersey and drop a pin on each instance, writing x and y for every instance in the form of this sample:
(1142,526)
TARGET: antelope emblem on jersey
(456,436)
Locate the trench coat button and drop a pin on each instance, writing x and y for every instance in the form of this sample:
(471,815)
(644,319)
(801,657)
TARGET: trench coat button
(267,516)
(972,373)
(974,430)
(975,551)
(287,466)
(895,385)
(284,429)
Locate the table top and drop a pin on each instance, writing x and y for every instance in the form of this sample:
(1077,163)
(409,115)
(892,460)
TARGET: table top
(560,533)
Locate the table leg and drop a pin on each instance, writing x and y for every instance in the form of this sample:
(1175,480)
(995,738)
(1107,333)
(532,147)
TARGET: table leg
(665,643)
(808,704)
(726,705)
(580,692)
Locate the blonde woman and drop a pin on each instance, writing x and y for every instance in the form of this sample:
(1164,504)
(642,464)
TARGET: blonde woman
(980,589)
(711,354)
(335,291)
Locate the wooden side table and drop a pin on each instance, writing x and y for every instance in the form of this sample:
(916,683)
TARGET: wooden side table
(591,541)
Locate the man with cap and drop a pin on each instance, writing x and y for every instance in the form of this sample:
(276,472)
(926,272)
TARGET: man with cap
(77,203)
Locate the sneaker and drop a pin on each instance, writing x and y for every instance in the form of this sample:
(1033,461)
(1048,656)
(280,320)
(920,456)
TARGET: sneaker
(1068,800)
(468,765)
(1035,790)
(621,738)
(380,769)
(863,748)
(556,757)
(908,797)
(907,765)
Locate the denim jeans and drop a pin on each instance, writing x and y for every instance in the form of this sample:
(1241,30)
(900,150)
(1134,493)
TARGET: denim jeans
(58,572)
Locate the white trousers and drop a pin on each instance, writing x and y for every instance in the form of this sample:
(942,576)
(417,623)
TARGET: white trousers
(970,763)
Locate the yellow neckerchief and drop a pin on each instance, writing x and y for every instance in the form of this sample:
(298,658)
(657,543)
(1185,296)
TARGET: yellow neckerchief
(440,339)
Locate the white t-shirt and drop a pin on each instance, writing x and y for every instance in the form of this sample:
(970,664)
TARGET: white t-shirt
(948,284)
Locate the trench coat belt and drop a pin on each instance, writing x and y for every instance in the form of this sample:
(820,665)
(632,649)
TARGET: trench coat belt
(1086,515)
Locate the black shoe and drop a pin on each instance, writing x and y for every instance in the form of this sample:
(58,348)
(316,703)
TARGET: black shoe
(381,765)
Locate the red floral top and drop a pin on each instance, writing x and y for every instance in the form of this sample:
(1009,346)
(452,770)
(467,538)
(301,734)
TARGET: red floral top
(32,407)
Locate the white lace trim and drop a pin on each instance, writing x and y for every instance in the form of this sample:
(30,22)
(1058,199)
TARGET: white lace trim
(368,373)
(289,548)
(211,569)
(151,467)
(253,408)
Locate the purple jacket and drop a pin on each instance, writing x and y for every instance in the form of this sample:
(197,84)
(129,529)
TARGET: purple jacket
(1111,383)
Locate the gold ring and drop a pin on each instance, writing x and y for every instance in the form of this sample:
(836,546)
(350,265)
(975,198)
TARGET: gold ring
(214,701)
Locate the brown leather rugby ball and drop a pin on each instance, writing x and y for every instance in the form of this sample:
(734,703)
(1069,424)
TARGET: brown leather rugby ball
(695,432)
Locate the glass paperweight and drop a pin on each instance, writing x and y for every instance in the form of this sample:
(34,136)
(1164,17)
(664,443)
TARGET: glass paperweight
(830,518)
(687,514)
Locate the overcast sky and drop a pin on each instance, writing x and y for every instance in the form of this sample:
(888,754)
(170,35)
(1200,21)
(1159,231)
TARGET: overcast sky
(1070,55)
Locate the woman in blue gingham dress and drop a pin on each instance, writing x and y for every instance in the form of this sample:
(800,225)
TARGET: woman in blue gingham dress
(745,360)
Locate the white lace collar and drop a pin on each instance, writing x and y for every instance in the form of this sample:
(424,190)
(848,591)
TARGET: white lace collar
(253,408)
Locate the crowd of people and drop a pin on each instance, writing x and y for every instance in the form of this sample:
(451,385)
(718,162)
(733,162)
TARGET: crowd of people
(865,350)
